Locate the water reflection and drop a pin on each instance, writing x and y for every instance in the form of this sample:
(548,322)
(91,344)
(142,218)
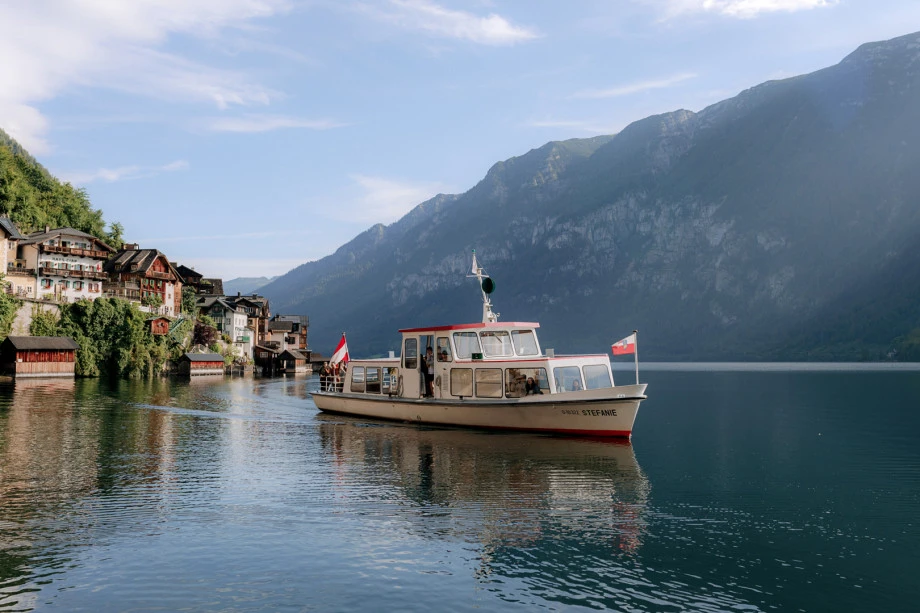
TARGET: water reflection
(498,490)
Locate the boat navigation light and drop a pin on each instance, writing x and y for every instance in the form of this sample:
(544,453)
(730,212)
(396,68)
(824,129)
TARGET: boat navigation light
(486,286)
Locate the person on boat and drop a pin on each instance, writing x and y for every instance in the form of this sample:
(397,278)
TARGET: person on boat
(324,375)
(533,387)
(428,366)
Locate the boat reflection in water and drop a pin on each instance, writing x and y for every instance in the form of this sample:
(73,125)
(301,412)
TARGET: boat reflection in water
(501,490)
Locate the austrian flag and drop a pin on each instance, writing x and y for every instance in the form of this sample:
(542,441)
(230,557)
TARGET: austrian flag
(624,346)
(341,352)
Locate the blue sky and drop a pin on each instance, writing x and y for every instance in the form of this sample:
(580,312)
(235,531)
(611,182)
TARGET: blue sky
(245,137)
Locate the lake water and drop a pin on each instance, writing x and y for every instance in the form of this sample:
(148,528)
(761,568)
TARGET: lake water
(743,490)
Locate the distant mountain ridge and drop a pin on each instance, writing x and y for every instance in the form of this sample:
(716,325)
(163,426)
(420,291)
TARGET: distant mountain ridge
(246,285)
(766,226)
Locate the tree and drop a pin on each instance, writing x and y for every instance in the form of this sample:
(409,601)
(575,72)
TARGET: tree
(44,323)
(189,300)
(152,300)
(204,334)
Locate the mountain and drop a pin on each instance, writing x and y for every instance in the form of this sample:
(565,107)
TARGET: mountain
(782,223)
(246,285)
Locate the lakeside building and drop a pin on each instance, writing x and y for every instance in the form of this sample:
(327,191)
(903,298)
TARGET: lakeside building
(10,237)
(290,331)
(200,364)
(231,320)
(38,356)
(63,264)
(145,276)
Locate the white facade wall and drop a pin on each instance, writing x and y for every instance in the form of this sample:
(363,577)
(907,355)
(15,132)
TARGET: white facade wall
(70,288)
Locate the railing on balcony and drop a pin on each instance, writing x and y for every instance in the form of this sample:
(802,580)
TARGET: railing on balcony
(160,275)
(89,253)
(50,271)
(18,268)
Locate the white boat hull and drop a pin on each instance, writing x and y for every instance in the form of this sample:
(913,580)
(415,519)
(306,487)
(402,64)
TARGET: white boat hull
(608,412)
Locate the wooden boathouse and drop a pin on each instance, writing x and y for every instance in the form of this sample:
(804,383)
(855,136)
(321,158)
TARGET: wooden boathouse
(198,364)
(38,356)
(294,361)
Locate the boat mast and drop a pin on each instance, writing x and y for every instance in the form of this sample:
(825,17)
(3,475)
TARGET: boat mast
(486,286)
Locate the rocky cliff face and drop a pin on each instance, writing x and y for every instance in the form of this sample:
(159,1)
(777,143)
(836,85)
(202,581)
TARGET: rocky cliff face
(740,231)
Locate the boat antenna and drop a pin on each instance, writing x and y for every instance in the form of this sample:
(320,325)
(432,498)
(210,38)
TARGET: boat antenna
(487,286)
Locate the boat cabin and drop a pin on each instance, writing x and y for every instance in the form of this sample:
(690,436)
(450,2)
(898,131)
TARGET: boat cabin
(488,360)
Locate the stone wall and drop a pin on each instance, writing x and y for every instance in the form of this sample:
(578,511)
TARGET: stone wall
(24,315)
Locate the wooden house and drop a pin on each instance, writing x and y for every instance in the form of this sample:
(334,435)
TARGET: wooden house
(38,356)
(198,364)
(159,326)
(141,275)
(294,361)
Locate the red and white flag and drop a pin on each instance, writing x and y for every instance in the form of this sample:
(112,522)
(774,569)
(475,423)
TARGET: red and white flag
(624,346)
(341,353)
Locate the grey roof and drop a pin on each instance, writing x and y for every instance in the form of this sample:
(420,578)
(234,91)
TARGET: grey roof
(265,348)
(11,228)
(40,237)
(204,357)
(294,353)
(125,260)
(284,326)
(60,343)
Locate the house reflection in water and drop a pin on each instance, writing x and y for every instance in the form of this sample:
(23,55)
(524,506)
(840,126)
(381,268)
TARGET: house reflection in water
(500,490)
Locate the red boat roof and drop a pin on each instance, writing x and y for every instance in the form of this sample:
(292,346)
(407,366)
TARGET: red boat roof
(496,324)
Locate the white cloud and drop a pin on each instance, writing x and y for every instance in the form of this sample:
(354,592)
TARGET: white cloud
(743,9)
(634,88)
(123,173)
(267,123)
(50,46)
(442,22)
(379,200)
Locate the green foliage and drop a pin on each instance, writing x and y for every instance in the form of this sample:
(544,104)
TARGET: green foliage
(152,300)
(44,323)
(8,307)
(908,347)
(114,339)
(32,198)
(189,298)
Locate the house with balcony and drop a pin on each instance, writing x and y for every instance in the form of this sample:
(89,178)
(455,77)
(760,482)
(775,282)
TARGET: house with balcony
(257,313)
(19,283)
(230,320)
(145,276)
(64,264)
(296,333)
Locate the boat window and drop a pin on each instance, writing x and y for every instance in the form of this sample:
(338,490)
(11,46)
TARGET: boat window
(466,343)
(443,351)
(525,382)
(568,379)
(525,342)
(461,382)
(597,376)
(357,379)
(496,344)
(488,382)
(390,380)
(410,354)
(373,381)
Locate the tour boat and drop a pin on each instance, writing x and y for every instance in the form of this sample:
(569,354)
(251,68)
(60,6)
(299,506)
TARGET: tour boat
(491,375)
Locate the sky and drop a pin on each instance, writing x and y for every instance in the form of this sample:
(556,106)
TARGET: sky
(245,137)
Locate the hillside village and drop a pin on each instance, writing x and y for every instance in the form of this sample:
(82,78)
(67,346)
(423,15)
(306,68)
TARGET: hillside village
(65,265)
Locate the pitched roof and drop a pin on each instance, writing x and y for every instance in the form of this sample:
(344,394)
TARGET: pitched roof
(185,272)
(283,326)
(297,355)
(204,357)
(57,343)
(40,237)
(137,261)
(11,228)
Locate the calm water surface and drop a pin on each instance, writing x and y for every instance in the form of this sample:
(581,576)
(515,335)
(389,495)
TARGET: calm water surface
(741,491)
